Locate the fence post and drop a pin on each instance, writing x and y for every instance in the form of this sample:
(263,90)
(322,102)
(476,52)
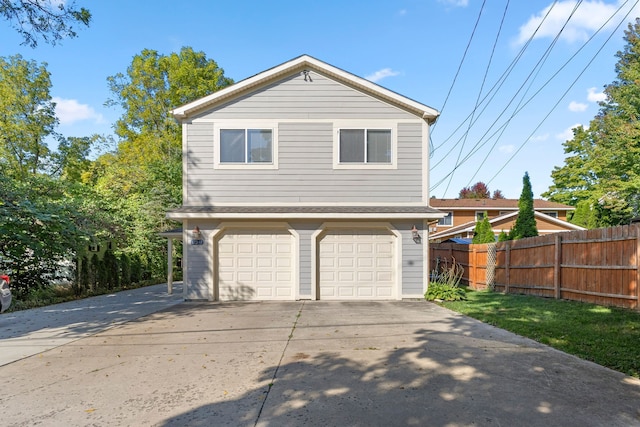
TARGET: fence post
(507,262)
(638,266)
(557,266)
(474,269)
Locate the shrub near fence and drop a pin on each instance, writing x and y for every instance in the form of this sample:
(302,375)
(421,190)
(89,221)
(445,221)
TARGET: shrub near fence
(598,266)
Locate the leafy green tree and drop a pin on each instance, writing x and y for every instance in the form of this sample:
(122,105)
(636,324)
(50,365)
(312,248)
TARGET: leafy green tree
(603,163)
(52,21)
(153,85)
(27,116)
(484,231)
(143,177)
(503,236)
(525,225)
(39,225)
(71,160)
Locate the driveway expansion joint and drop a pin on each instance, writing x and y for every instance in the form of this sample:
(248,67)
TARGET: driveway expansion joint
(275,373)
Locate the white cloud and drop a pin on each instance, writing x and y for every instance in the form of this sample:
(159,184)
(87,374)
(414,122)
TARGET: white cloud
(381,74)
(70,111)
(589,17)
(510,148)
(577,107)
(455,3)
(567,134)
(594,96)
(540,138)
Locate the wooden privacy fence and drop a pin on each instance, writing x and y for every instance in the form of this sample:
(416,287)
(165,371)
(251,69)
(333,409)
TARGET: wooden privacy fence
(598,266)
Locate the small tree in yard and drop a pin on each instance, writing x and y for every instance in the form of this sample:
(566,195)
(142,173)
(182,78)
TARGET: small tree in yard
(525,225)
(483,231)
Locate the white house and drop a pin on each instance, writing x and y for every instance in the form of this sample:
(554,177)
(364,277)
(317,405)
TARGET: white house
(305,182)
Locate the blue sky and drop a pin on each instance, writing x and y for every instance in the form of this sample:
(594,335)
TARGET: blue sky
(413,47)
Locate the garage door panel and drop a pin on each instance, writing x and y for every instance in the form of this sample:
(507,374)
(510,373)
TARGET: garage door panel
(254,264)
(357,264)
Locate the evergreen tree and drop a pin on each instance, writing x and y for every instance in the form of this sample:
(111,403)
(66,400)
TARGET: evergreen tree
(503,236)
(483,231)
(525,225)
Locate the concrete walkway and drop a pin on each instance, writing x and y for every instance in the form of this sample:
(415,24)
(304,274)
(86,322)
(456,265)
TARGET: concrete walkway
(309,363)
(28,332)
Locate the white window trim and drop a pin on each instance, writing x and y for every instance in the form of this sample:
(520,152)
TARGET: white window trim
(480,213)
(551,212)
(245,124)
(446,225)
(382,125)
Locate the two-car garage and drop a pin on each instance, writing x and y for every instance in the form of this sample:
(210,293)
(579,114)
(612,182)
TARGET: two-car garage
(346,264)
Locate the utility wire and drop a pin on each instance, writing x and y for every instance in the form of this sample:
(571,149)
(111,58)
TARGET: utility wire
(455,78)
(533,71)
(624,19)
(484,79)
(538,69)
(545,84)
(497,86)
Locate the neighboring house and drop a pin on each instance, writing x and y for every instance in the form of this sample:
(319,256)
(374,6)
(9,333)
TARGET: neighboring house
(305,182)
(462,215)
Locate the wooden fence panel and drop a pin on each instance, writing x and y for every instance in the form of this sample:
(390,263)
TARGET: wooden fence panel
(599,266)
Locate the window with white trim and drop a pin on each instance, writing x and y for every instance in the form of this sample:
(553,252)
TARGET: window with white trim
(246,146)
(364,146)
(480,215)
(447,220)
(552,214)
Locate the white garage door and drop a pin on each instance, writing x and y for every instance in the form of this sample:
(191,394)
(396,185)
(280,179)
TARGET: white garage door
(357,265)
(255,265)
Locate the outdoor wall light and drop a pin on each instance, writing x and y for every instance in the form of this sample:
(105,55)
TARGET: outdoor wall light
(196,236)
(416,235)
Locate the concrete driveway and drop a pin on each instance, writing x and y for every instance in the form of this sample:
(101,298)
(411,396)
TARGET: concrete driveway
(310,364)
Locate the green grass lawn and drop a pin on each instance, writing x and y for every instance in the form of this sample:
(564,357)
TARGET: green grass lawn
(608,336)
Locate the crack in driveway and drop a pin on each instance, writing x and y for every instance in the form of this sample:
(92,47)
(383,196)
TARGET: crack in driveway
(275,373)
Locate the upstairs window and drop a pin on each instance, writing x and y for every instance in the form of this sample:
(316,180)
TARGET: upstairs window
(447,220)
(238,146)
(365,146)
(552,214)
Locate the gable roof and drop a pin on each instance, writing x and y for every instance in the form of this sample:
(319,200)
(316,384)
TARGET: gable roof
(305,62)
(471,225)
(504,204)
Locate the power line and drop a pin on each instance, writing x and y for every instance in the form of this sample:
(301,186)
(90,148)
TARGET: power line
(623,20)
(497,85)
(484,79)
(455,78)
(521,105)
